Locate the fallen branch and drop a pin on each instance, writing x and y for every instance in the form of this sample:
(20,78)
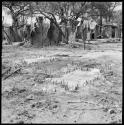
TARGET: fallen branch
(80,116)
(38,73)
(12,73)
(7,70)
(82,102)
(92,108)
(7,36)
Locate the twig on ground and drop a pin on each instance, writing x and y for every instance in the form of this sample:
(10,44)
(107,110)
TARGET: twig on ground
(92,108)
(12,73)
(79,116)
(82,102)
(6,71)
(48,75)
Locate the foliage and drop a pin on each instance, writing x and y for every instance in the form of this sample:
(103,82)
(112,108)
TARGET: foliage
(117,17)
(64,10)
(104,9)
(67,10)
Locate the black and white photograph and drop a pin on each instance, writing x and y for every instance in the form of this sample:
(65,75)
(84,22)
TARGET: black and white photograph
(61,62)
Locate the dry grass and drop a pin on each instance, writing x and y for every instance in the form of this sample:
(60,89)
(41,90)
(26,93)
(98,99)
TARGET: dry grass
(32,96)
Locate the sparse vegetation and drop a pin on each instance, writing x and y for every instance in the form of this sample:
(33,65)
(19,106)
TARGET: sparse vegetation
(61,62)
(42,86)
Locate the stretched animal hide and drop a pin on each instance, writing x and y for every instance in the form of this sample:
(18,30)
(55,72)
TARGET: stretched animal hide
(54,34)
(39,35)
(42,33)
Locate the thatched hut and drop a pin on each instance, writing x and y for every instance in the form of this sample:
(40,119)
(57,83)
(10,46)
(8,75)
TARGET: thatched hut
(111,30)
(120,31)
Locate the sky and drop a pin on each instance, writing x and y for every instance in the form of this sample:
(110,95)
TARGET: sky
(7,21)
(118,8)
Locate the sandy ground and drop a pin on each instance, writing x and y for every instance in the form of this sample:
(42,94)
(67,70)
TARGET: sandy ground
(62,84)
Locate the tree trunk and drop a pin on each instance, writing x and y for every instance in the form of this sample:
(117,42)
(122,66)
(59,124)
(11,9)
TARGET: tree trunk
(106,19)
(8,37)
(100,24)
(15,30)
(109,18)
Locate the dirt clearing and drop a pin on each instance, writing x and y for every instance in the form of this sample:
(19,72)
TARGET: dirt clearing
(61,84)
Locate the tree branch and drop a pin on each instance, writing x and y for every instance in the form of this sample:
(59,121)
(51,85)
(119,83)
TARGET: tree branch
(54,20)
(20,12)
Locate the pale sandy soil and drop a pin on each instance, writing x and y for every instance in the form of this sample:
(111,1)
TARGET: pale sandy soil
(62,84)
